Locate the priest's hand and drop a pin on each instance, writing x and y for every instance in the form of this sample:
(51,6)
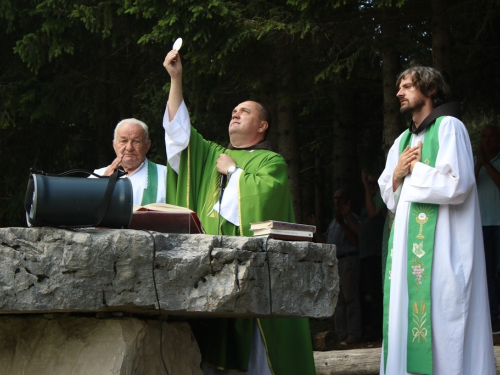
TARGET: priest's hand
(223,163)
(173,64)
(403,167)
(418,156)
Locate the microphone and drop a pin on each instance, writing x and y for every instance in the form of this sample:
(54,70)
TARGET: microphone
(223,180)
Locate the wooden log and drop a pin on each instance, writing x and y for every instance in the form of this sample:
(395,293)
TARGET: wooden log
(346,362)
(360,361)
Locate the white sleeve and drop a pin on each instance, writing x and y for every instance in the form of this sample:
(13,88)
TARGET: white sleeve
(230,200)
(452,178)
(99,171)
(385,181)
(177,133)
(162,180)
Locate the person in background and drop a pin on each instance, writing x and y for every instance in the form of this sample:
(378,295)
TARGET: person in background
(343,232)
(487,171)
(370,255)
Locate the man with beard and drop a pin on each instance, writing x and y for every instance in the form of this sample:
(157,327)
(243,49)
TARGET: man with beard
(436,318)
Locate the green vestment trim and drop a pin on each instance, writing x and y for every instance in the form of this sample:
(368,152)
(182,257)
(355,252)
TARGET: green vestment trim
(264,194)
(420,247)
(149,195)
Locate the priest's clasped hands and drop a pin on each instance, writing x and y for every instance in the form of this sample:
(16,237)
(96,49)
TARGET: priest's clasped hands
(407,160)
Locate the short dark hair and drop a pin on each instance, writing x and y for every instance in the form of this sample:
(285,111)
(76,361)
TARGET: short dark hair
(265,115)
(429,81)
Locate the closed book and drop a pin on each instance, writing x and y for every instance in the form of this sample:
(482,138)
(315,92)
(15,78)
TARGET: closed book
(284,232)
(165,218)
(282,225)
(286,237)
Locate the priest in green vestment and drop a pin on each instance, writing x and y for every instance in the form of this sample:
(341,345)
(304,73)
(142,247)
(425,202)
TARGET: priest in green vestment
(257,189)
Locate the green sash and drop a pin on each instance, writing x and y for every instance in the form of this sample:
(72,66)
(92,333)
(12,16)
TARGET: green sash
(421,230)
(149,195)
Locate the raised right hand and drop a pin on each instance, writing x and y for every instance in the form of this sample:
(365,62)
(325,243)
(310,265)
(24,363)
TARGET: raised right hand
(173,64)
(116,163)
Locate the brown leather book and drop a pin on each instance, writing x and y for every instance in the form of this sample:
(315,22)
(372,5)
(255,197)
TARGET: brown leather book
(165,218)
(285,237)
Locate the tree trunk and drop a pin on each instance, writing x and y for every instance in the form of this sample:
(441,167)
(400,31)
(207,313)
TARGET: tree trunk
(441,39)
(345,167)
(390,70)
(287,127)
(100,118)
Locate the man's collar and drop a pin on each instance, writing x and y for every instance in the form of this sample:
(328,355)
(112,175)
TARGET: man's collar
(264,145)
(447,109)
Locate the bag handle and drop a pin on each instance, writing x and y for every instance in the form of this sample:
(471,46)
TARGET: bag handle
(103,207)
(121,173)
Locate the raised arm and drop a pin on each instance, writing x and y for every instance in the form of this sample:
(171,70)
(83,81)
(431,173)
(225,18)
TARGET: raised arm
(173,65)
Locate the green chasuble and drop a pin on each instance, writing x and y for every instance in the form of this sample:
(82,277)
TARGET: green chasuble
(264,194)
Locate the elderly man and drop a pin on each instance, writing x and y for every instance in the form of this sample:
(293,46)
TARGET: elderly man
(131,143)
(257,189)
(436,318)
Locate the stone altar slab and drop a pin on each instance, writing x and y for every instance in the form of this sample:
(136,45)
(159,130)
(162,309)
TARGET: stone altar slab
(58,270)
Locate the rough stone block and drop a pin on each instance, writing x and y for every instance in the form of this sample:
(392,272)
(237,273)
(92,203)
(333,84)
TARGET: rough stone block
(48,269)
(34,345)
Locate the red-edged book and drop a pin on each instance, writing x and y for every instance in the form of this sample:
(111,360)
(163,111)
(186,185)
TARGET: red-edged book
(165,218)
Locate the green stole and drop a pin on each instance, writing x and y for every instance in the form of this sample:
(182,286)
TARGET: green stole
(420,247)
(149,195)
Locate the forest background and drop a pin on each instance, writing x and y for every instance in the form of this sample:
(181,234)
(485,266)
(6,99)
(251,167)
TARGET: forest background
(71,69)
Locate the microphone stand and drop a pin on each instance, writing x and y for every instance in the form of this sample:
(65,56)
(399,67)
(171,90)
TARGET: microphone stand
(223,180)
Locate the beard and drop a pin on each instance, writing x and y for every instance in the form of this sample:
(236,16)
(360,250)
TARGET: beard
(412,107)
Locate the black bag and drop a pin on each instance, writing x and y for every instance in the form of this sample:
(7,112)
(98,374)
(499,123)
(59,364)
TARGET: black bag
(60,201)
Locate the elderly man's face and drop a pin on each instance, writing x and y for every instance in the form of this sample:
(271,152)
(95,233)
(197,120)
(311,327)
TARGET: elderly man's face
(246,128)
(410,97)
(131,142)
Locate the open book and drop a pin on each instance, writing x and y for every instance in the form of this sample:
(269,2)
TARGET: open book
(165,218)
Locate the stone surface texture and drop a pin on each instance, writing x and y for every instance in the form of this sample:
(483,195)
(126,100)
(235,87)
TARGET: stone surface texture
(58,270)
(35,345)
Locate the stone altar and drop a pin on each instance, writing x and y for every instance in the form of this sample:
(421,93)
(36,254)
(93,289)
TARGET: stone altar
(55,282)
